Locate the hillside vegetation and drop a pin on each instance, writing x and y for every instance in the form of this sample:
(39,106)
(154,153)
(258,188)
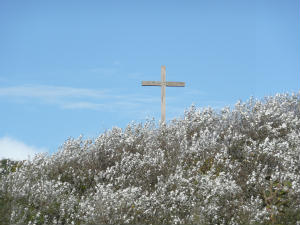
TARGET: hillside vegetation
(233,166)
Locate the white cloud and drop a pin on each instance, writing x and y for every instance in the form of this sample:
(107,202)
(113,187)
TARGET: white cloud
(77,98)
(136,75)
(104,71)
(84,105)
(70,98)
(65,97)
(17,150)
(50,92)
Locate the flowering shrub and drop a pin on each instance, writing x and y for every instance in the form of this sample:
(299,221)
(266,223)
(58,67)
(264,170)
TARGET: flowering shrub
(238,166)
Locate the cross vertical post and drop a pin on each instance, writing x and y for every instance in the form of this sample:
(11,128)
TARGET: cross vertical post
(163,93)
(163,84)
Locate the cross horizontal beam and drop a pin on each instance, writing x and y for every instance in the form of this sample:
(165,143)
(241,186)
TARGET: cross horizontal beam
(159,83)
(163,84)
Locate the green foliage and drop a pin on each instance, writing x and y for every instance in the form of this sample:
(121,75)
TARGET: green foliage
(5,208)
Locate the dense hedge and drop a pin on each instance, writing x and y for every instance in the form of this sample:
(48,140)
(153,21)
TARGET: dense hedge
(238,166)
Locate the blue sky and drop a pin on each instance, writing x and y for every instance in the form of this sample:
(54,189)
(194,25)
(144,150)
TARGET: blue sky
(75,67)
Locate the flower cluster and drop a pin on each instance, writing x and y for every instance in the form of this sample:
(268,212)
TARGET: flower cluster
(233,166)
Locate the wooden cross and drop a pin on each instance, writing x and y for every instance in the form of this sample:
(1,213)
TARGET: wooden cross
(163,83)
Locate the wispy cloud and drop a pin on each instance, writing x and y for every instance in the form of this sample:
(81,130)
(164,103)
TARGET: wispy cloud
(77,98)
(136,75)
(50,92)
(17,150)
(71,98)
(64,97)
(84,105)
(104,71)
